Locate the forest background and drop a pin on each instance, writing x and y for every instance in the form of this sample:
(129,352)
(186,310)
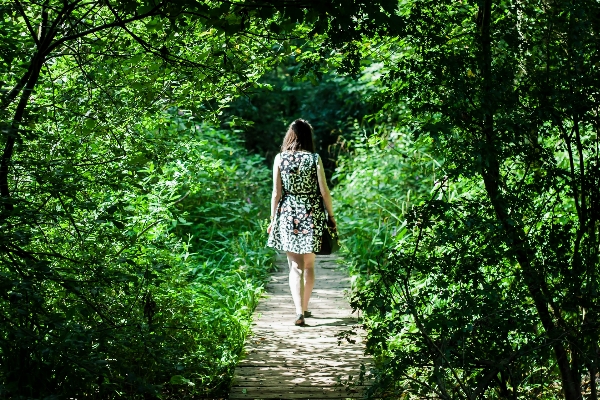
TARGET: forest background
(461,139)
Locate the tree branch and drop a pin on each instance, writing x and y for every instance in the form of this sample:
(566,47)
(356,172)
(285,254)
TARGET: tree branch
(14,92)
(102,27)
(13,132)
(29,27)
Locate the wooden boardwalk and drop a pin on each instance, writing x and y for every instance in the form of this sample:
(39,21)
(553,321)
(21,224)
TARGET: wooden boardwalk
(288,362)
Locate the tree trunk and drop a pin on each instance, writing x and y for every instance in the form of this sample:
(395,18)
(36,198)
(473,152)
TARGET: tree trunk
(515,237)
(13,132)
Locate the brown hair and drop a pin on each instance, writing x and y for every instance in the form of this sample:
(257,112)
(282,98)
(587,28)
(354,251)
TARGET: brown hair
(299,136)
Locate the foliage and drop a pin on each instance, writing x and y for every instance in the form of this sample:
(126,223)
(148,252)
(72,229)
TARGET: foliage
(331,104)
(492,289)
(120,268)
(130,256)
(131,305)
(376,182)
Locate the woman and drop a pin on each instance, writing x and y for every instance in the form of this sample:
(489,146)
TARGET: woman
(297,215)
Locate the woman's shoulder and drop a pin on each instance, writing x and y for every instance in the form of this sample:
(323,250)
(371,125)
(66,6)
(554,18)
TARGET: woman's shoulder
(296,153)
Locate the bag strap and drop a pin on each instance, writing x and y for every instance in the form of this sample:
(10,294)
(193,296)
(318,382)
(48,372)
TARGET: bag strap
(280,175)
(318,188)
(316,156)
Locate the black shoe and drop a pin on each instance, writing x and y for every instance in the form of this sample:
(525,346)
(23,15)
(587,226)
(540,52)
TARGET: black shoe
(307,314)
(299,320)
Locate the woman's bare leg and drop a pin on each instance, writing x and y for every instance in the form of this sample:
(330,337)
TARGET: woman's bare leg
(296,263)
(309,279)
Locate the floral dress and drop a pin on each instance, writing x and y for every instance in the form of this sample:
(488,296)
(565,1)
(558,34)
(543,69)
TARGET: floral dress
(298,224)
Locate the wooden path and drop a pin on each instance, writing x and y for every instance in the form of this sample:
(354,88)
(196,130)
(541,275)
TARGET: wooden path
(288,362)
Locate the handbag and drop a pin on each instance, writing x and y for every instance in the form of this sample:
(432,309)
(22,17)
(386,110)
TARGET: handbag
(330,241)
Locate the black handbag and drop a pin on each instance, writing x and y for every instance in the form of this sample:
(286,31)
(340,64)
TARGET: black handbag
(330,242)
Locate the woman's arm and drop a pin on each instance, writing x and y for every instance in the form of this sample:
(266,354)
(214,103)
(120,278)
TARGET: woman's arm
(325,191)
(276,195)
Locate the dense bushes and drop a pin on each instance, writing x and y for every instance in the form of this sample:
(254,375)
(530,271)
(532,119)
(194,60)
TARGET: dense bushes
(136,278)
(120,225)
(492,288)
(440,301)
(377,182)
(446,308)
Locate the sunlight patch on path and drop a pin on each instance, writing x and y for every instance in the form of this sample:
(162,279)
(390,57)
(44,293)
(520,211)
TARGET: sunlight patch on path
(287,362)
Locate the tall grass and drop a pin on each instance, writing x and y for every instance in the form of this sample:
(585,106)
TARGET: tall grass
(377,182)
(146,269)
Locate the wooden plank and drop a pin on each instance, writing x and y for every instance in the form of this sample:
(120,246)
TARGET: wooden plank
(320,303)
(317,332)
(276,360)
(325,379)
(261,371)
(293,392)
(319,347)
(294,363)
(283,308)
(336,322)
(299,355)
(315,340)
(294,395)
(283,361)
(275,388)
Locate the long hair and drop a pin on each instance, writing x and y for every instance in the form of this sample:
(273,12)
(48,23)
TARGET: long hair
(299,136)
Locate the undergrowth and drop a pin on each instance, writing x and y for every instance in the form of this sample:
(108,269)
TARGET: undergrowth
(146,271)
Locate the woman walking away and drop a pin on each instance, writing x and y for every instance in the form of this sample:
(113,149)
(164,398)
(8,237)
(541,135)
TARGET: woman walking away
(297,215)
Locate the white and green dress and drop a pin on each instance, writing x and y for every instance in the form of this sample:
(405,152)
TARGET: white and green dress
(298,224)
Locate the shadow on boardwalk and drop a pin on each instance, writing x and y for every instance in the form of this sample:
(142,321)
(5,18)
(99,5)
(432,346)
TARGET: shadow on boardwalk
(288,362)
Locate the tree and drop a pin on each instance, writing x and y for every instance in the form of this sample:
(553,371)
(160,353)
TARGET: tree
(102,105)
(500,273)
(333,105)
(90,184)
